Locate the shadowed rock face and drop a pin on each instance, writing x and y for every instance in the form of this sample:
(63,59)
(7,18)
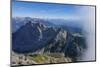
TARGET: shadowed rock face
(34,36)
(38,38)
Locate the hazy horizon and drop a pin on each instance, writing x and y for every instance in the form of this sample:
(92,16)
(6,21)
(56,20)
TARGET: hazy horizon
(50,11)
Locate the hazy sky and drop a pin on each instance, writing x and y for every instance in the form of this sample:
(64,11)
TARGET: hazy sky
(43,10)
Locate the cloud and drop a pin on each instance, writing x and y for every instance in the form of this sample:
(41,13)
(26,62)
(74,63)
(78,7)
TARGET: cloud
(87,15)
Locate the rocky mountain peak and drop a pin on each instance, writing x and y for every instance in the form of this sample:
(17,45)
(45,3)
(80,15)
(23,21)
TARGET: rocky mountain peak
(32,35)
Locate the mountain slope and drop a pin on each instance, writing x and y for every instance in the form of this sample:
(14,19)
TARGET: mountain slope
(34,36)
(39,38)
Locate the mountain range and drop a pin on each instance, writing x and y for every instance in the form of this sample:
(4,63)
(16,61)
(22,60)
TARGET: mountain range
(37,36)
